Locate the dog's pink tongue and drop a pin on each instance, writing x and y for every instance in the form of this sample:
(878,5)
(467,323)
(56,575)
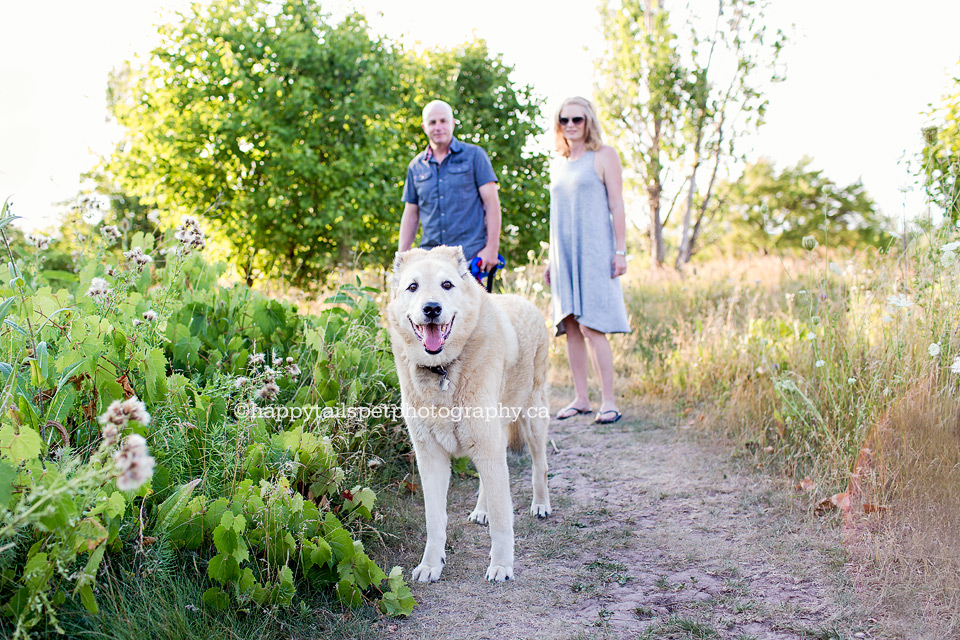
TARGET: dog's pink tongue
(432,340)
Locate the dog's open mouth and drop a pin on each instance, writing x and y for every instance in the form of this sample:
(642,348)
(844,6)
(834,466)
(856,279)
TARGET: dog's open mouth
(433,335)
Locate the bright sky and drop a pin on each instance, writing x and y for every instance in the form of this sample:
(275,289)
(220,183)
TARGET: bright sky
(860,74)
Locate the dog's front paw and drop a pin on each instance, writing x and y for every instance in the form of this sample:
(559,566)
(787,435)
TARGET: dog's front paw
(479,516)
(499,573)
(540,510)
(427,573)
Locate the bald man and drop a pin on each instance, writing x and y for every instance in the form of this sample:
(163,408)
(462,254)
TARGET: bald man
(451,190)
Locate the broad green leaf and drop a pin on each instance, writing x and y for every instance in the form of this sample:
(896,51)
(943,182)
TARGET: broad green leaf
(216,597)
(172,506)
(19,446)
(348,594)
(88,599)
(8,474)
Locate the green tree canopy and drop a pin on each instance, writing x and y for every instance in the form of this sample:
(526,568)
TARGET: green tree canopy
(766,209)
(299,130)
(940,163)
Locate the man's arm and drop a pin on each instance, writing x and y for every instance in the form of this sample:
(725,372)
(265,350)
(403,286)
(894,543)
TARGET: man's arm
(489,194)
(409,222)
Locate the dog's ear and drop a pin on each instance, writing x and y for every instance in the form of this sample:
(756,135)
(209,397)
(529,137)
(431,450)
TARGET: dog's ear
(398,259)
(463,267)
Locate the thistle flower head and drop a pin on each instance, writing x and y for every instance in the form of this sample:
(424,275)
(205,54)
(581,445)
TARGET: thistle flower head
(138,259)
(119,413)
(268,391)
(110,232)
(150,315)
(132,464)
(189,235)
(98,288)
(38,240)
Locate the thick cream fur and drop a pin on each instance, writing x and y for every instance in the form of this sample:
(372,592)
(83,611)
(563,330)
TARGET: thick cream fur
(495,356)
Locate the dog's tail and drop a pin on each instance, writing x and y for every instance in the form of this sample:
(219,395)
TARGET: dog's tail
(515,440)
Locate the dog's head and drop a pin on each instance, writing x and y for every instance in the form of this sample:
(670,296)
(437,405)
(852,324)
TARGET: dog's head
(434,299)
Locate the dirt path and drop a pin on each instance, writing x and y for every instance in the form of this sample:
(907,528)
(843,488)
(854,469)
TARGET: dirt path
(655,534)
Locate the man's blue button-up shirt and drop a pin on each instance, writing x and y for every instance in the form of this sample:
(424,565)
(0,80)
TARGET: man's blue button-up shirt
(448,195)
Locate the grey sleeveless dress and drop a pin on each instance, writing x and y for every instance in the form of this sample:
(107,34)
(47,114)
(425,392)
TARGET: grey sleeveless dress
(581,249)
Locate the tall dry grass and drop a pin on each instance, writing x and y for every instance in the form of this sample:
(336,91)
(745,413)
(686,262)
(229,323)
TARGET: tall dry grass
(802,359)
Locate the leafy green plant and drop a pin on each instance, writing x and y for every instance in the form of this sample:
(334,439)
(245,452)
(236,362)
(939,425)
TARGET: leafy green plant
(262,500)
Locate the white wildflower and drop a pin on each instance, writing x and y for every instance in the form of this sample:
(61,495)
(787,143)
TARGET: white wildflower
(110,434)
(809,243)
(154,217)
(955,367)
(269,391)
(257,358)
(899,301)
(544,245)
(811,336)
(137,258)
(98,287)
(789,296)
(132,463)
(537,287)
(934,349)
(851,380)
(120,413)
(293,370)
(150,315)
(887,318)
(512,230)
(38,240)
(137,322)
(531,255)
(241,382)
(189,235)
(110,232)
(819,363)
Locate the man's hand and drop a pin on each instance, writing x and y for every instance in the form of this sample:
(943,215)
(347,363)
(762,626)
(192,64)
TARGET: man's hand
(488,257)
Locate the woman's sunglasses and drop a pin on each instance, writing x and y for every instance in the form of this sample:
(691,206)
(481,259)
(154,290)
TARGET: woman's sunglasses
(578,120)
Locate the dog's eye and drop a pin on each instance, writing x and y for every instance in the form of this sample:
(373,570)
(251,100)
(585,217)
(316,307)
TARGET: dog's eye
(447,285)
(412,287)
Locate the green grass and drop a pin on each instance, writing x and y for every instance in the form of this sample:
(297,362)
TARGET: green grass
(169,605)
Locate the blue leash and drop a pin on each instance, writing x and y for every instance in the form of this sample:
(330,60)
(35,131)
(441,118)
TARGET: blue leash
(480,275)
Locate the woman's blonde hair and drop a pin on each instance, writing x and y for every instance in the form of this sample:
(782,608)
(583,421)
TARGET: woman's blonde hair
(592,135)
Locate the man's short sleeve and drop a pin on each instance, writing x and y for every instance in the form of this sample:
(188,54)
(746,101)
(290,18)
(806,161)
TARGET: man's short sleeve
(410,188)
(482,169)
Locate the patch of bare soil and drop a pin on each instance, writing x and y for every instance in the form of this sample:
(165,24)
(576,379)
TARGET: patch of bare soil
(655,533)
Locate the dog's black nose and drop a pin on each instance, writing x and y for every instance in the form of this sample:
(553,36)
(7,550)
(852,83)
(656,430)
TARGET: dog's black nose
(432,310)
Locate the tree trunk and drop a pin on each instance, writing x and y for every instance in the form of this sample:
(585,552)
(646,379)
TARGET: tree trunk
(654,191)
(686,242)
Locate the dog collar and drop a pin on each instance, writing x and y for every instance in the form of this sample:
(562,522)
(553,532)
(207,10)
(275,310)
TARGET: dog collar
(440,371)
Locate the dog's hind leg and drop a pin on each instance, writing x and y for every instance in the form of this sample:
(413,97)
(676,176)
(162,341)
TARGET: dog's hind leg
(479,514)
(536,437)
(434,466)
(495,477)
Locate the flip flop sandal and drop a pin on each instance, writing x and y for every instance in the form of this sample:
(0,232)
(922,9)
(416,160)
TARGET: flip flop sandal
(617,415)
(565,413)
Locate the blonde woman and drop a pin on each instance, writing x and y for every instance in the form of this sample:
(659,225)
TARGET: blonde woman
(587,252)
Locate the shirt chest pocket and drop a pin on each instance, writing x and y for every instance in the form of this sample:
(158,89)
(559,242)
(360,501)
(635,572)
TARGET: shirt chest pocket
(460,176)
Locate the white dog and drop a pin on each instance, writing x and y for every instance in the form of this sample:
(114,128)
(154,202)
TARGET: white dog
(473,379)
